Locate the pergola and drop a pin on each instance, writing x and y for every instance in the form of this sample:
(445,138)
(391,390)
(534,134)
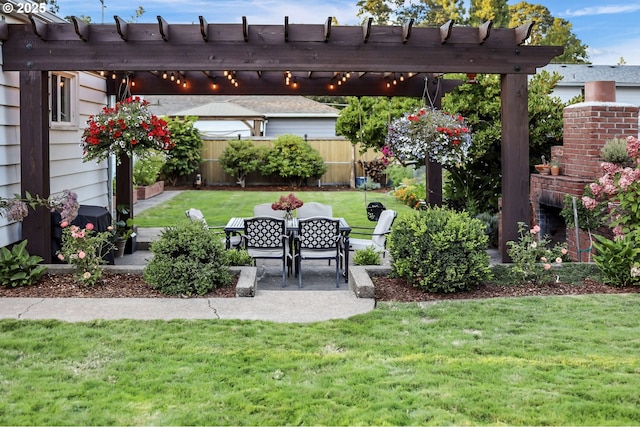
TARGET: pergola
(285,59)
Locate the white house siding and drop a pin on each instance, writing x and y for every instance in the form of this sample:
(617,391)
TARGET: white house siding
(89,180)
(67,171)
(9,149)
(311,126)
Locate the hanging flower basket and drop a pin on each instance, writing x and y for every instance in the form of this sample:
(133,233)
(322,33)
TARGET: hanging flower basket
(445,138)
(127,128)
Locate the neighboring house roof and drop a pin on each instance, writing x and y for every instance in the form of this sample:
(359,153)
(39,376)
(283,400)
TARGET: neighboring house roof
(269,106)
(227,110)
(578,74)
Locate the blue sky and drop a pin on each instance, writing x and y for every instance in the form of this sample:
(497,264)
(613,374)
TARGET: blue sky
(611,29)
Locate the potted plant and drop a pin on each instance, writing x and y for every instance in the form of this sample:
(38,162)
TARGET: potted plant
(554,167)
(287,203)
(543,168)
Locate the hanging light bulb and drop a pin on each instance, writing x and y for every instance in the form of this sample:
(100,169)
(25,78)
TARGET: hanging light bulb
(184,84)
(401,77)
(173,77)
(102,73)
(331,86)
(113,75)
(214,86)
(164,75)
(133,83)
(178,80)
(295,83)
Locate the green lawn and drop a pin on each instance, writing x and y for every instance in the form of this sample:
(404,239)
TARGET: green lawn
(219,206)
(518,361)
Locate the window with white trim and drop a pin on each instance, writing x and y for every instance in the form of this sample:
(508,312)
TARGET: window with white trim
(62,98)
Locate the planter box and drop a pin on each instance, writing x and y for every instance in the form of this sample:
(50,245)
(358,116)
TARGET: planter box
(148,191)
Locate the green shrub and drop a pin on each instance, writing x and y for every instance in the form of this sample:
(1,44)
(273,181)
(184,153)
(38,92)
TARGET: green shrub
(241,157)
(491,227)
(147,171)
(619,259)
(183,159)
(188,259)
(439,250)
(293,159)
(411,193)
(238,257)
(615,151)
(18,268)
(398,173)
(367,256)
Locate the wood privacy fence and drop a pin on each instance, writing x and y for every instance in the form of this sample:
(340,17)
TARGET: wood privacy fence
(339,155)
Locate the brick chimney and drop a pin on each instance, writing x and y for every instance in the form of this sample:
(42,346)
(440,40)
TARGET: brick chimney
(587,126)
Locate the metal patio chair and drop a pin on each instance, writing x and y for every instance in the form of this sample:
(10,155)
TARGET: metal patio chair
(318,238)
(266,238)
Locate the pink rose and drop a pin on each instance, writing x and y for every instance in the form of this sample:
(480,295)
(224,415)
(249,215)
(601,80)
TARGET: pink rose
(564,251)
(64,224)
(61,257)
(81,254)
(89,226)
(558,260)
(547,266)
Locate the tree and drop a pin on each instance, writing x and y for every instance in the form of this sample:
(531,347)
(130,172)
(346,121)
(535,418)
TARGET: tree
(549,31)
(365,120)
(240,158)
(185,158)
(478,186)
(485,10)
(293,159)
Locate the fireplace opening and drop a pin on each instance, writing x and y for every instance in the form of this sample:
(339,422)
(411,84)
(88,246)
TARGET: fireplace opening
(552,224)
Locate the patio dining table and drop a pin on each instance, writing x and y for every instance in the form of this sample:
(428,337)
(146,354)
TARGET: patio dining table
(236,226)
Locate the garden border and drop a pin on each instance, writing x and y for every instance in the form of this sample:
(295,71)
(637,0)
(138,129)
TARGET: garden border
(246,286)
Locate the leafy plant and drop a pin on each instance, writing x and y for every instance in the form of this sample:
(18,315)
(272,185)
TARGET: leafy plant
(491,227)
(411,193)
(615,151)
(238,257)
(376,169)
(532,257)
(241,157)
(146,171)
(293,159)
(439,250)
(188,259)
(619,259)
(18,268)
(366,256)
(185,157)
(398,173)
(83,248)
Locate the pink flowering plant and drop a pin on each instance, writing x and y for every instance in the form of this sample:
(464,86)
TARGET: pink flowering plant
(287,203)
(444,138)
(83,248)
(125,129)
(533,256)
(613,201)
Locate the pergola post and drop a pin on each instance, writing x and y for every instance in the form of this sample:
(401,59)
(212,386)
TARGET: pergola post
(515,157)
(34,158)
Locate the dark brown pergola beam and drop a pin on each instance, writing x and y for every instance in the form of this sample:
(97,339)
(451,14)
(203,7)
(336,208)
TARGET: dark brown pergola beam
(163,27)
(204,28)
(81,28)
(121,27)
(484,31)
(305,51)
(326,31)
(256,83)
(406,31)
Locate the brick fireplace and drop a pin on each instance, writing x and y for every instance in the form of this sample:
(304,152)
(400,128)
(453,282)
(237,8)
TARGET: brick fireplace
(587,126)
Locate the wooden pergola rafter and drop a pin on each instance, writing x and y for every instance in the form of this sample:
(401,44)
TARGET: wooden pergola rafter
(258,56)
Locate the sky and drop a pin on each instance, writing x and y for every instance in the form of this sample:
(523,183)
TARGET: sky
(610,29)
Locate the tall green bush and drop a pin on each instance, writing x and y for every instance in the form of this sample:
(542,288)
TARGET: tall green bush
(188,259)
(294,160)
(147,171)
(242,157)
(439,250)
(185,158)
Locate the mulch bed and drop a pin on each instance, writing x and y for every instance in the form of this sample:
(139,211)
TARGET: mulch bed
(386,289)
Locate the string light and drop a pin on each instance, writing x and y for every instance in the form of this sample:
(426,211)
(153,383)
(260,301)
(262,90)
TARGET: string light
(164,75)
